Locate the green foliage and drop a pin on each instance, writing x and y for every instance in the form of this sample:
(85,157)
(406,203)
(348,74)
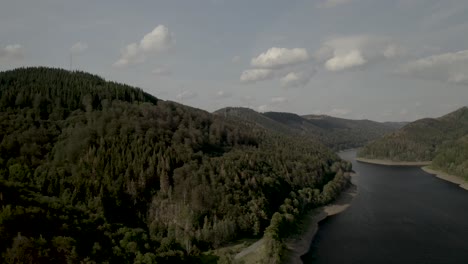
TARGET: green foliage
(453,158)
(99,172)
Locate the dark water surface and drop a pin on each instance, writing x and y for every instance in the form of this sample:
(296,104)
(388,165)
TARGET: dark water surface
(400,215)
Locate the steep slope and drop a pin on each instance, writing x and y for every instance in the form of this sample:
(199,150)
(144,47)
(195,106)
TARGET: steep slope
(420,140)
(98,172)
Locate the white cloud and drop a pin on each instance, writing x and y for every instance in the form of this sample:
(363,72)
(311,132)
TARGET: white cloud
(129,55)
(162,71)
(342,53)
(12,53)
(449,67)
(294,79)
(280,57)
(345,61)
(223,94)
(186,95)
(160,39)
(255,75)
(333,3)
(157,41)
(79,47)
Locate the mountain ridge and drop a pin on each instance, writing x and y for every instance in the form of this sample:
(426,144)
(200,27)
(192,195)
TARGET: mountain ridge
(336,133)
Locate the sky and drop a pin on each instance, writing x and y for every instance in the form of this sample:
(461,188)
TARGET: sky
(384,60)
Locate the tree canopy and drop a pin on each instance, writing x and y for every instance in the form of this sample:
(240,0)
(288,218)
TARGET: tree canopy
(100,172)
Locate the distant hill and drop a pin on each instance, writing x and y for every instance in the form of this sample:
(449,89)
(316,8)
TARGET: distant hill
(443,140)
(93,171)
(336,133)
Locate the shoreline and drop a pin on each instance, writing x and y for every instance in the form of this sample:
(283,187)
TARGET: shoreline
(299,245)
(393,163)
(447,177)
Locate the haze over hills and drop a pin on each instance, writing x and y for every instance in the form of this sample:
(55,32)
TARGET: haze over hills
(336,133)
(442,140)
(95,171)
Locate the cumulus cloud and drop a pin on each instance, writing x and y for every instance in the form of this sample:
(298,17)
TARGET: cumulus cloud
(344,61)
(255,75)
(162,71)
(186,95)
(11,53)
(157,41)
(296,79)
(79,47)
(343,53)
(449,67)
(275,62)
(280,57)
(333,3)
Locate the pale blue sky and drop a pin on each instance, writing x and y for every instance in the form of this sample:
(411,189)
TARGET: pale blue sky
(375,59)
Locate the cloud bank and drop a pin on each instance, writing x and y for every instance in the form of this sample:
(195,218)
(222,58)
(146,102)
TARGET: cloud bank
(342,53)
(451,67)
(280,57)
(255,75)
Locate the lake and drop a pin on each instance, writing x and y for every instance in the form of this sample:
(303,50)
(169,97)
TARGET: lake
(400,215)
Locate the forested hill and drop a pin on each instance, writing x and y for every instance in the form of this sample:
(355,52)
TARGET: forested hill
(443,140)
(419,140)
(336,133)
(93,171)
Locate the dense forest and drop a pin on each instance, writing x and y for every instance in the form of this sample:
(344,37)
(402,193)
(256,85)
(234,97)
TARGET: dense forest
(441,140)
(93,171)
(335,133)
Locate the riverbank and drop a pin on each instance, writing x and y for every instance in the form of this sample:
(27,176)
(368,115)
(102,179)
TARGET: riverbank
(299,245)
(394,163)
(447,177)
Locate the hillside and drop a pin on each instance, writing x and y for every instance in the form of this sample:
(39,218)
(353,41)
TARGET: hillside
(93,171)
(420,140)
(336,133)
(441,140)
